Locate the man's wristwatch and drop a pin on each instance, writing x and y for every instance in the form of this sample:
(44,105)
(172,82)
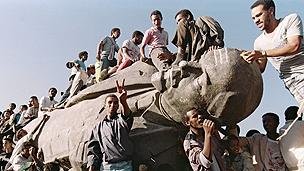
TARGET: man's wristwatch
(264,54)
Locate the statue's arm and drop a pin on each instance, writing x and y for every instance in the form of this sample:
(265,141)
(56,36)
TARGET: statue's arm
(45,118)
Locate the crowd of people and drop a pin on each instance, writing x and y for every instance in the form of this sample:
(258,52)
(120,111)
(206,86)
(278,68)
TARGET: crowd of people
(110,147)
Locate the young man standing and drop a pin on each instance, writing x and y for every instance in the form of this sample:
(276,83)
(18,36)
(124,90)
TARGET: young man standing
(281,42)
(201,144)
(105,54)
(110,146)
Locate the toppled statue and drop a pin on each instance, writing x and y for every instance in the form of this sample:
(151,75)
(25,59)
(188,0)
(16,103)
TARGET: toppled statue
(221,83)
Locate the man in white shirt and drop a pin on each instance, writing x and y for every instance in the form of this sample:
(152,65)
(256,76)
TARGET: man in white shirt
(281,42)
(130,50)
(47,102)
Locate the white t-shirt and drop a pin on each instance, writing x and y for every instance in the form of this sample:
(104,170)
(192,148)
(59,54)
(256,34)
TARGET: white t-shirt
(45,101)
(287,66)
(133,50)
(274,159)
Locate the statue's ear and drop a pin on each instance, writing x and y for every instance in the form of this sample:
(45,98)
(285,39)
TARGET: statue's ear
(206,77)
(187,123)
(158,81)
(203,81)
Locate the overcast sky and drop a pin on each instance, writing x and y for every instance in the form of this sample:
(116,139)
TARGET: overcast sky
(37,38)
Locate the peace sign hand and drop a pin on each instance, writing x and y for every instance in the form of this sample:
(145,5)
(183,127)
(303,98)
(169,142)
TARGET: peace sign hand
(121,91)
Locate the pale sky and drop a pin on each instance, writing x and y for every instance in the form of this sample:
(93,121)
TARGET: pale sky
(37,38)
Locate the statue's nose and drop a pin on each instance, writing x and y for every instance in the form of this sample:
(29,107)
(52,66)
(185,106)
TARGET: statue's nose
(200,117)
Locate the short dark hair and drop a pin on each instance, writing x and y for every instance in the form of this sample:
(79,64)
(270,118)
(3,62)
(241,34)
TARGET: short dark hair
(90,66)
(137,33)
(52,88)
(82,53)
(185,13)
(157,12)
(18,133)
(13,104)
(34,98)
(185,117)
(114,30)
(291,112)
(266,3)
(251,132)
(24,107)
(110,95)
(273,115)
(8,111)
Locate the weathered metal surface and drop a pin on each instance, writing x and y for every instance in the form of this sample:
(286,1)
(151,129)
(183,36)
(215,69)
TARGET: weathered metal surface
(221,83)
